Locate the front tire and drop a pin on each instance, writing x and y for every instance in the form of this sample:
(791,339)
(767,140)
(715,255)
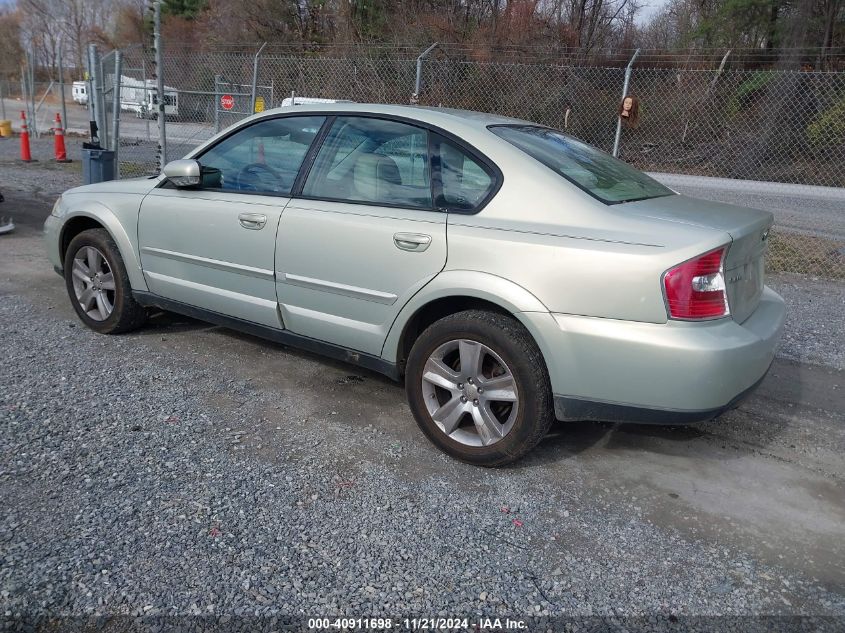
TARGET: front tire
(98,285)
(478,387)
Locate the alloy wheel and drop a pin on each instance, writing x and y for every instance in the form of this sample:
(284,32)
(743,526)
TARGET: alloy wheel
(93,283)
(470,393)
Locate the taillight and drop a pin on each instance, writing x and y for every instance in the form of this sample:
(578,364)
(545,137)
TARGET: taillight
(696,288)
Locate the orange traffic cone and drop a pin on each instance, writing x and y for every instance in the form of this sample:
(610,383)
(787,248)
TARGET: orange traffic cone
(60,150)
(26,155)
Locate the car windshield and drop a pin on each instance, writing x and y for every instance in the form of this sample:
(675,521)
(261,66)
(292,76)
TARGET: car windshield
(599,174)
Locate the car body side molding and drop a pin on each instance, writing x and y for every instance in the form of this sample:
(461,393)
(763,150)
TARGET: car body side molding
(217,264)
(387,298)
(283,337)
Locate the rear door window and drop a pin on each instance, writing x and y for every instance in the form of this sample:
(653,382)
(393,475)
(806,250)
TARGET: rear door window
(372,160)
(464,181)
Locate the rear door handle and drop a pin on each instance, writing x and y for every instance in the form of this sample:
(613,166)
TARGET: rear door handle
(254,221)
(414,242)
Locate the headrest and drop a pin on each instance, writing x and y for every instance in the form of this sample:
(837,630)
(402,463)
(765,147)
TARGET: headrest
(374,176)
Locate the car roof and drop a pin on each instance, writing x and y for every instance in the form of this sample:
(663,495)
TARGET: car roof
(432,115)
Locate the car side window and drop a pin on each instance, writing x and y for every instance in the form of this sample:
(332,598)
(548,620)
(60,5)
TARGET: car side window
(465,181)
(262,158)
(373,160)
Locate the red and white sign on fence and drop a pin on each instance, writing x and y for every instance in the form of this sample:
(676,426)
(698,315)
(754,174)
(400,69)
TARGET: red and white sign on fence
(227,102)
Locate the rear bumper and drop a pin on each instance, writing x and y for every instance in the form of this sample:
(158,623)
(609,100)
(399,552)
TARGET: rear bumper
(675,372)
(567,408)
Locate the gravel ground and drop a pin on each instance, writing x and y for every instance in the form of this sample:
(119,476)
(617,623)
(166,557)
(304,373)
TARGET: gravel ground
(188,473)
(126,492)
(815,321)
(43,179)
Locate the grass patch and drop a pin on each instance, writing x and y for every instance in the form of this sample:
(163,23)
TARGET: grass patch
(748,90)
(828,128)
(806,254)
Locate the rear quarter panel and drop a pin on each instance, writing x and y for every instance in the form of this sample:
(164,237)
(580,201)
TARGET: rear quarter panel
(575,254)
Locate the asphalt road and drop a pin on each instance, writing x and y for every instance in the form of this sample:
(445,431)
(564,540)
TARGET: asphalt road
(185,468)
(811,210)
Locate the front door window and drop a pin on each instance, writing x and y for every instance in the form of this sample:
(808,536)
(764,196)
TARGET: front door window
(262,158)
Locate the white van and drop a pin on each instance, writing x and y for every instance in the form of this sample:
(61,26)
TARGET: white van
(292,101)
(80,92)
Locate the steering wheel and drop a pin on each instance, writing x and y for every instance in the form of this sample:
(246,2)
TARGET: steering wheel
(254,170)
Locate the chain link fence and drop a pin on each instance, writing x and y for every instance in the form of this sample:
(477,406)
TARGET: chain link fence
(781,127)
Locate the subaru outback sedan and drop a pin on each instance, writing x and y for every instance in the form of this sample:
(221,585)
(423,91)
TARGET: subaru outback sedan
(509,273)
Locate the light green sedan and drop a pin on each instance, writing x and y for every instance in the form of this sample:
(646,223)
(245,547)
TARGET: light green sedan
(508,273)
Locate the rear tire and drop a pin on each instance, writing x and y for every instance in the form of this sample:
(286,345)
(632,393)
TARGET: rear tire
(478,387)
(98,285)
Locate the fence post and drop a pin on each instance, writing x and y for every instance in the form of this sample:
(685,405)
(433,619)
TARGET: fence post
(145,91)
(415,97)
(23,87)
(216,103)
(706,96)
(30,106)
(96,100)
(41,101)
(2,100)
(624,93)
(115,118)
(255,78)
(101,100)
(92,113)
(162,128)
(62,88)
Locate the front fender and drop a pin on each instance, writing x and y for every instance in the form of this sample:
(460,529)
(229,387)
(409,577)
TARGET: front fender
(105,216)
(466,283)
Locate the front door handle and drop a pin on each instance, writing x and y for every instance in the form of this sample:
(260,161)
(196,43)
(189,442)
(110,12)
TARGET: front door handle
(414,242)
(254,221)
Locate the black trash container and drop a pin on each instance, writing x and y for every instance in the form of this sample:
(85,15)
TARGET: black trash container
(97,165)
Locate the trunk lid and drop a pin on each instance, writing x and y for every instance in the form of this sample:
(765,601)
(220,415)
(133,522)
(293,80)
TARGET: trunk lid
(748,229)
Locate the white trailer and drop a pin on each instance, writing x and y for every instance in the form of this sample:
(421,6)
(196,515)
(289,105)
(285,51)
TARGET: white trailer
(141,97)
(79,91)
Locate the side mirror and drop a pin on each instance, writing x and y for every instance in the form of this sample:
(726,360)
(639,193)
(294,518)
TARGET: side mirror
(183,173)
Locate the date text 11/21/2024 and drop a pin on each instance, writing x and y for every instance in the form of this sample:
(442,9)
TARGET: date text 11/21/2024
(416,624)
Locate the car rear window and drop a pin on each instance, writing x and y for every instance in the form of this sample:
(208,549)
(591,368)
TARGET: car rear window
(602,176)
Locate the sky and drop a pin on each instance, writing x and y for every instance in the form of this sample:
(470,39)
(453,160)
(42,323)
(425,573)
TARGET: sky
(649,8)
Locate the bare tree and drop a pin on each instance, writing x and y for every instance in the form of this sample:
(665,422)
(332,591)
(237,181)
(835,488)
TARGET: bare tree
(70,24)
